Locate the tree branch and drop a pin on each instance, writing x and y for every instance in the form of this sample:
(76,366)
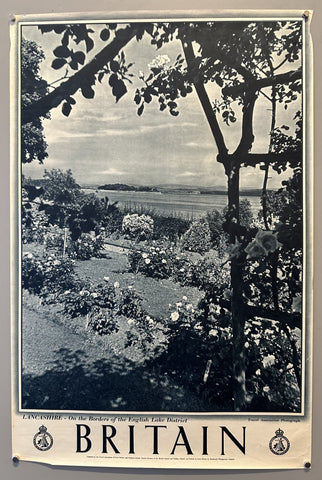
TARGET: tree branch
(291,319)
(270,148)
(205,102)
(255,85)
(247,137)
(42,106)
(253,159)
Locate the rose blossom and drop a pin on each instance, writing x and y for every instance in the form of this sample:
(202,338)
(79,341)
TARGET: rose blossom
(213,332)
(267,240)
(174,316)
(254,250)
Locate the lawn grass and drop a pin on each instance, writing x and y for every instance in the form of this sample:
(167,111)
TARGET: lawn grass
(157,294)
(66,366)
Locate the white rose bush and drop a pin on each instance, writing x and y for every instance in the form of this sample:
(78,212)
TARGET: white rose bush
(137,227)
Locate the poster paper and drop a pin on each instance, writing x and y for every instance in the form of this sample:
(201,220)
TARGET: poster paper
(161,181)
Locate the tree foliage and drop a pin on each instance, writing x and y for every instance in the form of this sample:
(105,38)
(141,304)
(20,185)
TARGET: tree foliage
(33,87)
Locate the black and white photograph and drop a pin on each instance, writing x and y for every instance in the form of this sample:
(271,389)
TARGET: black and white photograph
(162,214)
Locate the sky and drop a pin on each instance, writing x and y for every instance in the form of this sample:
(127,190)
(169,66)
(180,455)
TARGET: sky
(107,142)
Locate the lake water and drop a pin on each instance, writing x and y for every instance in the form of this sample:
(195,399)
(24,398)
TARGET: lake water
(185,205)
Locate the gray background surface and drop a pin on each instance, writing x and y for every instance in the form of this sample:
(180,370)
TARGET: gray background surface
(28,471)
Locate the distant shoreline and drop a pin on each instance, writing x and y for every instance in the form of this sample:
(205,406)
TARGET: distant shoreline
(172,191)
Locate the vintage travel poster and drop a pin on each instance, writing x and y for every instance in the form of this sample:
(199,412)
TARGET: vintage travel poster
(161,194)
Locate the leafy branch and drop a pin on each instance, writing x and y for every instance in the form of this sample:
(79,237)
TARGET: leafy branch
(83,78)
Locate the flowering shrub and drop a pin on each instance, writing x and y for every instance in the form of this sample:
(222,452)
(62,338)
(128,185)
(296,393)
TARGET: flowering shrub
(142,333)
(77,303)
(270,372)
(169,228)
(197,238)
(53,237)
(198,351)
(102,321)
(182,269)
(81,301)
(209,272)
(218,237)
(34,223)
(46,275)
(113,222)
(130,304)
(155,262)
(103,304)
(195,356)
(86,246)
(137,227)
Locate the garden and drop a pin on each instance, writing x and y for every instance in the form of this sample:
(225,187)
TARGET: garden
(125,303)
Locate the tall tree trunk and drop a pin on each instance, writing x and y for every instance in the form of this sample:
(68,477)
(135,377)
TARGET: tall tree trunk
(237,305)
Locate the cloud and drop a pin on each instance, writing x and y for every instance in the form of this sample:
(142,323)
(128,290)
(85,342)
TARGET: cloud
(189,174)
(75,132)
(199,145)
(111,171)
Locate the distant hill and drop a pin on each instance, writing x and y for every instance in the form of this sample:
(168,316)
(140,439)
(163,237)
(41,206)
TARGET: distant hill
(253,192)
(127,188)
(177,189)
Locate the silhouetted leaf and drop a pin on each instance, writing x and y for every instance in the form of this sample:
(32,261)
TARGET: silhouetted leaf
(114,66)
(140,34)
(59,28)
(149,28)
(105,34)
(80,57)
(219,81)
(58,63)
(89,44)
(73,64)
(172,105)
(147,96)
(66,109)
(140,109)
(119,89)
(65,39)
(71,100)
(112,80)
(88,91)
(62,52)
(46,28)
(137,98)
